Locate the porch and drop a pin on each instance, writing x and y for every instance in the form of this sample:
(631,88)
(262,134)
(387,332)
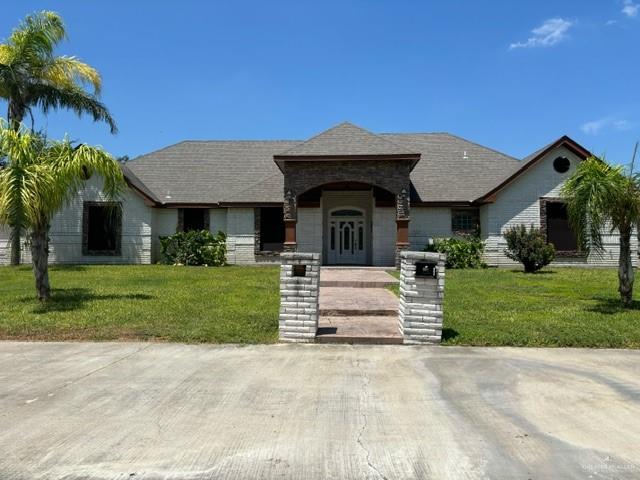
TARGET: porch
(346,174)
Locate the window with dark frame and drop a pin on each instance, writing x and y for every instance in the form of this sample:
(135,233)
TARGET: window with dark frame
(559,232)
(271,229)
(102,228)
(466,221)
(194,219)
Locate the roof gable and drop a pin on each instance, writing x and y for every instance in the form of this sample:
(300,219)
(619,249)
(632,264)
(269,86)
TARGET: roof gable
(345,140)
(531,160)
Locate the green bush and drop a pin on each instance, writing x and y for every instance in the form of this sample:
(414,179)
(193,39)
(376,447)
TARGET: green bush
(529,247)
(462,252)
(194,248)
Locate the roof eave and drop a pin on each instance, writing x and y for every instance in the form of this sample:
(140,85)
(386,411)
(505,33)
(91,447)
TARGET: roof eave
(414,158)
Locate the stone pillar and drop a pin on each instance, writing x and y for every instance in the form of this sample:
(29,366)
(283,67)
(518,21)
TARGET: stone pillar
(421,297)
(290,210)
(299,293)
(402,223)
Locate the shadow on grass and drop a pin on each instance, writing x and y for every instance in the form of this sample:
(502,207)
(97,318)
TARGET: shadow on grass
(535,274)
(67,268)
(449,333)
(609,306)
(68,299)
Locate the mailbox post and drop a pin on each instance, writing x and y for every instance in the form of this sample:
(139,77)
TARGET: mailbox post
(421,297)
(299,287)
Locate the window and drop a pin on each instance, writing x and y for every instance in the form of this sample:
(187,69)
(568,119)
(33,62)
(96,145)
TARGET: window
(561,164)
(465,221)
(190,219)
(102,228)
(271,229)
(556,222)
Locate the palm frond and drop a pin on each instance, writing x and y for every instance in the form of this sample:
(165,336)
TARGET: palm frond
(43,175)
(595,194)
(37,36)
(51,98)
(70,72)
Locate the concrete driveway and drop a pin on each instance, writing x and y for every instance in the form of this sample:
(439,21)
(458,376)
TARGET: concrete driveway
(166,411)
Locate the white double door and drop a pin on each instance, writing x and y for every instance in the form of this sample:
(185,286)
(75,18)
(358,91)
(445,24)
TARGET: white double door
(347,239)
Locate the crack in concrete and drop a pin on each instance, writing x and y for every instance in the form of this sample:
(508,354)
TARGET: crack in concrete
(96,370)
(367,381)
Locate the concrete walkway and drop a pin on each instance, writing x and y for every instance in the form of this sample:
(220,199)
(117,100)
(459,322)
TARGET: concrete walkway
(166,411)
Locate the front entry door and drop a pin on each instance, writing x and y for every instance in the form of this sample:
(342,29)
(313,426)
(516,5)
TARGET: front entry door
(347,237)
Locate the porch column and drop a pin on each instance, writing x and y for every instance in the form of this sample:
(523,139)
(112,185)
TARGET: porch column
(402,223)
(290,210)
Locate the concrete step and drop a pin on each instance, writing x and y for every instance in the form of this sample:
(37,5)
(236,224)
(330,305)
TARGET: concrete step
(351,340)
(357,312)
(355,278)
(359,330)
(350,301)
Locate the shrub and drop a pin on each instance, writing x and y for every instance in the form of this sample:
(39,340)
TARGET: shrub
(462,252)
(194,248)
(529,247)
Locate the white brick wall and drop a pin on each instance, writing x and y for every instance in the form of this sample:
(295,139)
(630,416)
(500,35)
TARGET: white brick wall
(519,203)
(384,236)
(66,231)
(240,236)
(428,222)
(165,222)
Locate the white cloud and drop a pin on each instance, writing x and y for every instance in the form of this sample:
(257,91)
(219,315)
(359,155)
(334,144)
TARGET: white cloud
(610,23)
(594,127)
(630,9)
(551,31)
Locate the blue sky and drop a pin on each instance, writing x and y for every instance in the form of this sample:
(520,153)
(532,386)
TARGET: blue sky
(510,75)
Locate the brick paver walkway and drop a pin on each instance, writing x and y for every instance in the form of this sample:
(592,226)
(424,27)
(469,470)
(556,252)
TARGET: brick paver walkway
(355,307)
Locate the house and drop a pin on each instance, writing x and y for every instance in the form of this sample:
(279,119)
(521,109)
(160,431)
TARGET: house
(357,197)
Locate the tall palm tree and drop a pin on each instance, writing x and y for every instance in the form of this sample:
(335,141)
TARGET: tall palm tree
(601,197)
(32,76)
(39,178)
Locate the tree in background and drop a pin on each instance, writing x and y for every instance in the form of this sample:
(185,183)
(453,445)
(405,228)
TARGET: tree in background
(39,178)
(32,76)
(602,197)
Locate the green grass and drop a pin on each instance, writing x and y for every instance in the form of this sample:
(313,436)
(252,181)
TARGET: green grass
(563,307)
(179,304)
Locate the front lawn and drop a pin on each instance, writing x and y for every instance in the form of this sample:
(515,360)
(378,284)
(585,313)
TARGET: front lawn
(179,304)
(564,307)
(560,307)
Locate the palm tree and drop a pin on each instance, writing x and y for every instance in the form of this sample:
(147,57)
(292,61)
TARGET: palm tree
(603,197)
(39,178)
(31,76)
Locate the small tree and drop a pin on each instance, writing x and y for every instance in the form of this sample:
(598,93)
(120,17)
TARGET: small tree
(39,178)
(528,247)
(601,197)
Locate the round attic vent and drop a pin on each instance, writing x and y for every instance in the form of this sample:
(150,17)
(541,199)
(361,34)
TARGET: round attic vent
(561,164)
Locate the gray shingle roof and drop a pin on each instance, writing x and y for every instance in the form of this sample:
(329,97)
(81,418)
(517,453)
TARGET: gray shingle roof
(451,169)
(346,139)
(209,171)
